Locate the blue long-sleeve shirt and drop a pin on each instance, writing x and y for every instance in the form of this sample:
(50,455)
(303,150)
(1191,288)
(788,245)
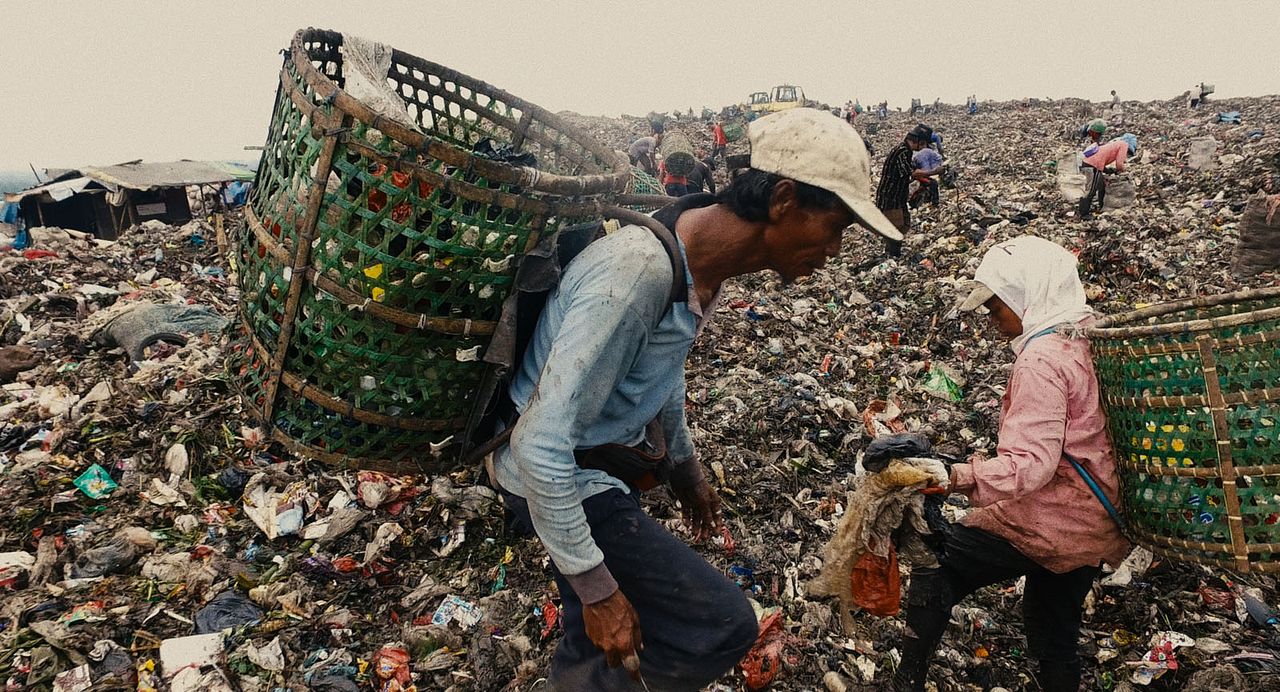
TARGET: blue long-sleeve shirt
(606,358)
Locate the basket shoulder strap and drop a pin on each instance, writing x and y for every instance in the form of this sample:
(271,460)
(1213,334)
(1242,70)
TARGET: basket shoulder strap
(1097,492)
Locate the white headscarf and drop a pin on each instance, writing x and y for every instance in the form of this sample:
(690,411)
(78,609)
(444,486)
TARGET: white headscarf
(1039,282)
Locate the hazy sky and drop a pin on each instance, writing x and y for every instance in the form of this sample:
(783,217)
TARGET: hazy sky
(102,82)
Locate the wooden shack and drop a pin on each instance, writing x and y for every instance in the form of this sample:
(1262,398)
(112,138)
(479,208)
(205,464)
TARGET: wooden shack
(107,200)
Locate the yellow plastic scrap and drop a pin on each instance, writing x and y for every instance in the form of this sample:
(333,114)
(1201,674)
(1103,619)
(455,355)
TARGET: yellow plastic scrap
(375,272)
(900,475)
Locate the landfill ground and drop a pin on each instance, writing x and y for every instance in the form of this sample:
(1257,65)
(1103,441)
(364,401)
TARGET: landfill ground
(94,591)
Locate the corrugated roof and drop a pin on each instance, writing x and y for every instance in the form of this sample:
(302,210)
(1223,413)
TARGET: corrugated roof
(149,176)
(57,190)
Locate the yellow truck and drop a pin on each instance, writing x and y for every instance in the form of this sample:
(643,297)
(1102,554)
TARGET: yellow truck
(782,97)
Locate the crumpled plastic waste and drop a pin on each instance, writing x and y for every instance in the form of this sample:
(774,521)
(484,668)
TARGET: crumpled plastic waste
(227,610)
(391,668)
(1161,657)
(764,661)
(278,513)
(881,505)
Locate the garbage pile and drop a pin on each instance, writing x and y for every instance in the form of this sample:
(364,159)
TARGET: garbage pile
(152,538)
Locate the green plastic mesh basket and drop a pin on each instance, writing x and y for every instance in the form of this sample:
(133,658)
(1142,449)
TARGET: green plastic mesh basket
(379,249)
(1191,391)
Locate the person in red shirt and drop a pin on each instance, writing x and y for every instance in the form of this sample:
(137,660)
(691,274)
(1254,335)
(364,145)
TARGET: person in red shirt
(720,141)
(675,185)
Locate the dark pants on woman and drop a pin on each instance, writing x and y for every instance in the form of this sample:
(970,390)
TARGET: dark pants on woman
(1097,188)
(695,623)
(1051,607)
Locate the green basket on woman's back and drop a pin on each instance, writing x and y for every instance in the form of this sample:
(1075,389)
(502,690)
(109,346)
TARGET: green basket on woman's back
(382,240)
(1191,391)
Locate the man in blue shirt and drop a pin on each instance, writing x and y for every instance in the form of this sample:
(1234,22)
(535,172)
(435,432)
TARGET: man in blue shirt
(928,164)
(606,367)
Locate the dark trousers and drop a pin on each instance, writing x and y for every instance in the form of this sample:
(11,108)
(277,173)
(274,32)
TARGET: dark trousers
(677,189)
(1097,188)
(901,219)
(695,623)
(1051,606)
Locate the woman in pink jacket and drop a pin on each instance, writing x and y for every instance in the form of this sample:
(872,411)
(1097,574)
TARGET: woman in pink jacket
(1034,515)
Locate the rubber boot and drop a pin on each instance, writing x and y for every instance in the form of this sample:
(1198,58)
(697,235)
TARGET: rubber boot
(1059,676)
(914,667)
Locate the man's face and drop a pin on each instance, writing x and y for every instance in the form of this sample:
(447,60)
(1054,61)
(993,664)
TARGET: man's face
(800,240)
(1003,318)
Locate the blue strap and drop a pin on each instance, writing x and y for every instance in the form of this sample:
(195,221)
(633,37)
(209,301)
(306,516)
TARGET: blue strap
(1037,335)
(1097,492)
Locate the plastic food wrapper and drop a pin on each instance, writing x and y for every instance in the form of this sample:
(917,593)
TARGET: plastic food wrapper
(391,667)
(1161,657)
(454,609)
(550,615)
(95,482)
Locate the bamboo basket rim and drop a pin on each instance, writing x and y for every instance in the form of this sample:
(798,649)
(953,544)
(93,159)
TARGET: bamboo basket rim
(532,179)
(1114,326)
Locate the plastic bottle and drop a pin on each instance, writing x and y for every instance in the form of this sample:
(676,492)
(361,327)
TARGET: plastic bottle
(1258,610)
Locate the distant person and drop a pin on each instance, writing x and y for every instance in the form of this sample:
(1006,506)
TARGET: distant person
(643,153)
(935,143)
(1092,130)
(895,183)
(676,185)
(972,104)
(701,179)
(1200,94)
(1115,100)
(719,140)
(928,164)
(1108,159)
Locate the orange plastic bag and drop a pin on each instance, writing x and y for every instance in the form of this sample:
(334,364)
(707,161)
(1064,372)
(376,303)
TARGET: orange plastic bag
(876,583)
(764,661)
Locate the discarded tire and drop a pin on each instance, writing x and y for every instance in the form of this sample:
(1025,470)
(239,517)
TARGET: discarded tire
(382,238)
(1191,391)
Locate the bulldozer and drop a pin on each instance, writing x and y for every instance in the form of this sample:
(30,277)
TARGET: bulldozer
(781,98)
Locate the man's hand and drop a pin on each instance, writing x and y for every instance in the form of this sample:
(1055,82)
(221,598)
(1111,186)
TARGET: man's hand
(612,625)
(699,503)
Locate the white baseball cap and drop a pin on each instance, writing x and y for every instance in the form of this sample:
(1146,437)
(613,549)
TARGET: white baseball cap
(976,294)
(817,148)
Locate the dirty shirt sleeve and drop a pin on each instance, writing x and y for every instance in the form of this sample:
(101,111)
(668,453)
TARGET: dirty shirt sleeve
(902,164)
(1121,158)
(597,343)
(1030,444)
(676,427)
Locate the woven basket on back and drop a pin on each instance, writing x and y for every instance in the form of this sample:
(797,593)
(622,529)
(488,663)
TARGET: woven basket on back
(379,249)
(677,153)
(1191,391)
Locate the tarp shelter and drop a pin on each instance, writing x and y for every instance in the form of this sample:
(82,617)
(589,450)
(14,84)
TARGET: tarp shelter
(106,200)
